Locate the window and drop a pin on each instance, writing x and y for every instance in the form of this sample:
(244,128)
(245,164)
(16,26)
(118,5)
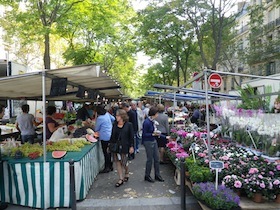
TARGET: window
(270,69)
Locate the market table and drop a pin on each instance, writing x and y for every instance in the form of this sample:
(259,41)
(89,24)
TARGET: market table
(37,184)
(8,132)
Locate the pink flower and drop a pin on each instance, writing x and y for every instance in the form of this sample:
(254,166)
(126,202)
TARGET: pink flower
(256,158)
(253,170)
(260,176)
(262,185)
(201,154)
(171,144)
(271,173)
(174,149)
(182,155)
(237,184)
(181,150)
(278,167)
(224,157)
(276,182)
(226,165)
(206,161)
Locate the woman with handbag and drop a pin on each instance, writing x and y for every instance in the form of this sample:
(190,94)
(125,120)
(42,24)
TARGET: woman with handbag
(122,144)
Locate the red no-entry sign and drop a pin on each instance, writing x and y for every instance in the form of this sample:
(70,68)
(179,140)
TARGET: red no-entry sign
(215,80)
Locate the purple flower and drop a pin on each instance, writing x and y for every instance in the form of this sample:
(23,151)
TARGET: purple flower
(278,167)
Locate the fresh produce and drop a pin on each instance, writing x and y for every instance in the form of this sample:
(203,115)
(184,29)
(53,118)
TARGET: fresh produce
(58,154)
(27,149)
(66,145)
(34,155)
(80,132)
(91,138)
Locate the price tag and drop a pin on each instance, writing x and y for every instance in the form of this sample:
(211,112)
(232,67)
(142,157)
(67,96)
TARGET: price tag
(217,164)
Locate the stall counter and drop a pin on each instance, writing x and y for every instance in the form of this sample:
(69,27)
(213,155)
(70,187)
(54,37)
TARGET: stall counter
(36,184)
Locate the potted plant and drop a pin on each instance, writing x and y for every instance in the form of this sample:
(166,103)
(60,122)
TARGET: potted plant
(221,199)
(256,185)
(233,182)
(200,173)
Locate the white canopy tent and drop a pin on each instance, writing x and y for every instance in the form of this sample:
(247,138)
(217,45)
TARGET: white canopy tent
(29,86)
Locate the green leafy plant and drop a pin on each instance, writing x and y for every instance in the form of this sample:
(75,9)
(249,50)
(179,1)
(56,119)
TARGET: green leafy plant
(250,99)
(200,173)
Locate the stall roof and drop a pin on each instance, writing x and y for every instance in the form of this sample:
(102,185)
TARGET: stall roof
(29,85)
(199,92)
(171,96)
(195,95)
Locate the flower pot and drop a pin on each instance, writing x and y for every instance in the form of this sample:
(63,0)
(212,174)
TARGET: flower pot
(257,198)
(238,192)
(277,199)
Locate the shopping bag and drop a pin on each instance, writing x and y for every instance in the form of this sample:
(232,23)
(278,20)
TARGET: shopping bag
(60,133)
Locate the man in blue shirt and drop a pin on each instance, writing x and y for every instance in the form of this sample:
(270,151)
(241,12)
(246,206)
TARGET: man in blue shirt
(104,126)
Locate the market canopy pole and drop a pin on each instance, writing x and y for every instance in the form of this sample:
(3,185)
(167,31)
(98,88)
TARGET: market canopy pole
(207,115)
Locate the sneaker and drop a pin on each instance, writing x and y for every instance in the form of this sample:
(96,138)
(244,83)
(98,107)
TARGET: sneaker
(137,151)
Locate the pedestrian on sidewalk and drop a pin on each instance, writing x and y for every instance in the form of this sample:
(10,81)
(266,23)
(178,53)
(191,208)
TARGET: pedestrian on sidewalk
(163,127)
(132,117)
(123,133)
(103,126)
(150,133)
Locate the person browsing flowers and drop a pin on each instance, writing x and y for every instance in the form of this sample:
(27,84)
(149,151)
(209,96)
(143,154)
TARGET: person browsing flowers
(150,133)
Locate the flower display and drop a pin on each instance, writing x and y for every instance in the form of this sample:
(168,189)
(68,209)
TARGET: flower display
(222,198)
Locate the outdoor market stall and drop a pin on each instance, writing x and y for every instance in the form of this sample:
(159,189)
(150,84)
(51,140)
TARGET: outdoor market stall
(40,184)
(237,166)
(45,182)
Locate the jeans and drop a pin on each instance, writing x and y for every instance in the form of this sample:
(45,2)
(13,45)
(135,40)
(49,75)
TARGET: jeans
(107,156)
(27,138)
(137,142)
(152,153)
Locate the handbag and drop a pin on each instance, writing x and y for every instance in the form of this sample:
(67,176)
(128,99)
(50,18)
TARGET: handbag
(115,147)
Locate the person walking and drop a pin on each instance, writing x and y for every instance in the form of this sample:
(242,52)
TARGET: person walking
(123,133)
(140,120)
(149,135)
(103,126)
(132,116)
(25,123)
(163,127)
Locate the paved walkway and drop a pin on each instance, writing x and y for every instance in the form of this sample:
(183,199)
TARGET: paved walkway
(136,194)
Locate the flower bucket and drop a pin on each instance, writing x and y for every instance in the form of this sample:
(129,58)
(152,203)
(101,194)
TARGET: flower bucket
(277,199)
(257,198)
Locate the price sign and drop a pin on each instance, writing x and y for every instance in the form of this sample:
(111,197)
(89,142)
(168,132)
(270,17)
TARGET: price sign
(216,164)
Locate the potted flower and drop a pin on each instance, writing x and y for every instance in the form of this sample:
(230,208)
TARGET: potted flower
(256,185)
(276,189)
(233,182)
(221,199)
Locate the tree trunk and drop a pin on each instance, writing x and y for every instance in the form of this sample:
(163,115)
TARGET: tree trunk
(47,59)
